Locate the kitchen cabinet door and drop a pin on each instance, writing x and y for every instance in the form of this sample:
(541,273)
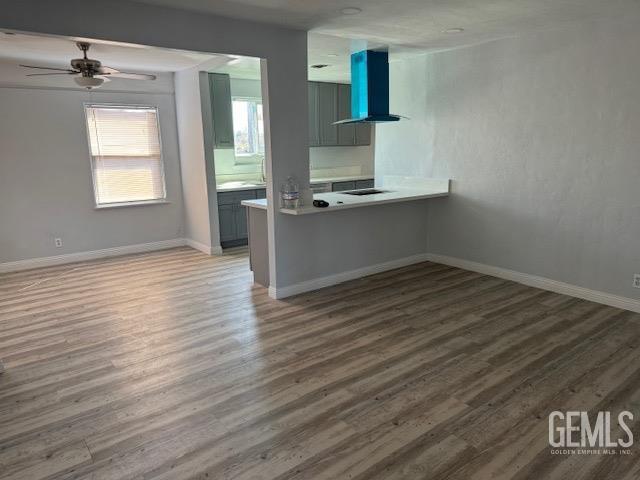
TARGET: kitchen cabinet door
(364,184)
(241,222)
(341,186)
(346,133)
(227,221)
(363,133)
(328,113)
(222,110)
(314,130)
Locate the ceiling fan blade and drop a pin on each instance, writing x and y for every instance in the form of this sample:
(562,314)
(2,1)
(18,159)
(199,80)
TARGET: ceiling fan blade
(52,73)
(50,68)
(107,70)
(132,76)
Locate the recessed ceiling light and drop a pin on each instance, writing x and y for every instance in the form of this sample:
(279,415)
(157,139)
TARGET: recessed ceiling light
(350,11)
(454,30)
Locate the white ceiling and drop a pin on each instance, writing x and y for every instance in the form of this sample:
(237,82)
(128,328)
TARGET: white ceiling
(58,52)
(50,51)
(406,27)
(411,23)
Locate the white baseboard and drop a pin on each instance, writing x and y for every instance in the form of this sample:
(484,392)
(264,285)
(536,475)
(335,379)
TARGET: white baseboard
(315,284)
(543,283)
(90,255)
(203,248)
(540,282)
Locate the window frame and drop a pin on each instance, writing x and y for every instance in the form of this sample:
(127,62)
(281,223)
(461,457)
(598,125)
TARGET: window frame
(256,100)
(99,206)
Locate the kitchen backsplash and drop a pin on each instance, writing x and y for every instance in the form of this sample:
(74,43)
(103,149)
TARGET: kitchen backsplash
(230,170)
(325,162)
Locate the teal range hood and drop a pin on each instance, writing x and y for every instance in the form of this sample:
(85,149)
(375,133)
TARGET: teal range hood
(370,88)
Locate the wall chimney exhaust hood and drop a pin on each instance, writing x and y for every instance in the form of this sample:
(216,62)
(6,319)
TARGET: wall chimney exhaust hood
(370,88)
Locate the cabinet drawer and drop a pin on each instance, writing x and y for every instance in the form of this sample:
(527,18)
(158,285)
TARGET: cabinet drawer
(364,184)
(341,186)
(233,198)
(320,187)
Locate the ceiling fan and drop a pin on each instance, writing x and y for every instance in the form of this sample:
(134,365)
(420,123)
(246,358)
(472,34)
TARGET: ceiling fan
(89,73)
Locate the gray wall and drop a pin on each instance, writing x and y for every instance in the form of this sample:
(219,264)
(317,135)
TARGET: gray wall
(285,52)
(356,238)
(45,176)
(540,136)
(192,158)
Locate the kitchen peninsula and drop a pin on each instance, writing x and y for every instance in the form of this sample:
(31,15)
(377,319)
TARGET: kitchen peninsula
(391,190)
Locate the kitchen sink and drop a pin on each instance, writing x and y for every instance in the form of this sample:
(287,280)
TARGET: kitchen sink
(365,191)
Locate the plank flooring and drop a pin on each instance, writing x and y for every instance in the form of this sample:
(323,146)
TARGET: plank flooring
(173,365)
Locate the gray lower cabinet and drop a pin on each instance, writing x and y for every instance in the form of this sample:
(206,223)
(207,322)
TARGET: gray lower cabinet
(227,219)
(342,186)
(232,216)
(241,222)
(364,184)
(352,185)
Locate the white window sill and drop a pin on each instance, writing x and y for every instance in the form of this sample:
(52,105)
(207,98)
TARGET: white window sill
(130,204)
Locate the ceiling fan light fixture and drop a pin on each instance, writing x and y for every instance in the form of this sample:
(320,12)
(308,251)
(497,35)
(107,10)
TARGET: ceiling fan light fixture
(89,82)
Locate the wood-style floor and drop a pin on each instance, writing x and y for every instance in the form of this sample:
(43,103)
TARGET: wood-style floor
(172,365)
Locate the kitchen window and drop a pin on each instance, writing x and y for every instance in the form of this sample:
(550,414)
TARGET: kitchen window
(126,154)
(248,127)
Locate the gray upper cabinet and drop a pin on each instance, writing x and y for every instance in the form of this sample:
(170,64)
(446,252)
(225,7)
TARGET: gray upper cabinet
(328,113)
(346,133)
(220,85)
(314,131)
(328,103)
(363,134)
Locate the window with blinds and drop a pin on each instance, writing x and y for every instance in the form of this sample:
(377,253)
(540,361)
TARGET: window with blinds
(125,154)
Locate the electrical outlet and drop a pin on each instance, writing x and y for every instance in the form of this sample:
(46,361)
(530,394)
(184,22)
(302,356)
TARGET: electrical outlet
(636,280)
(58,242)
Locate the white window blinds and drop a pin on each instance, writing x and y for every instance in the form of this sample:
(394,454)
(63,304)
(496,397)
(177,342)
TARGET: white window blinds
(126,154)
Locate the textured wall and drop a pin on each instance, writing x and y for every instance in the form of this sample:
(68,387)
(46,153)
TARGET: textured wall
(540,135)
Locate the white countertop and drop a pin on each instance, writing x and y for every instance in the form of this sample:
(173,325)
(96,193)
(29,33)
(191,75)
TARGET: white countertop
(237,186)
(342,201)
(261,203)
